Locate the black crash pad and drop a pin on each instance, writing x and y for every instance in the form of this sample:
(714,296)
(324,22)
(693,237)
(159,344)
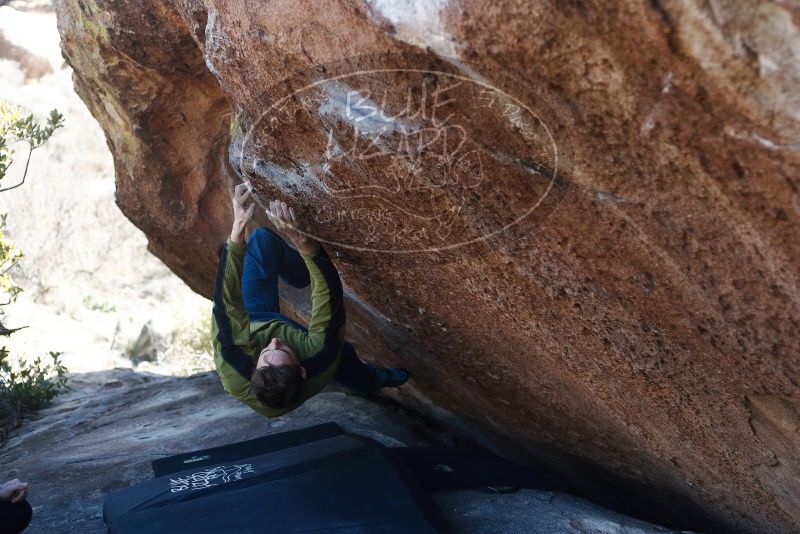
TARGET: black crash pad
(244,449)
(313,480)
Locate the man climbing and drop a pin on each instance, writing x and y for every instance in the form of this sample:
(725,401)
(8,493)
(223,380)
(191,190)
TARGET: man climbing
(265,359)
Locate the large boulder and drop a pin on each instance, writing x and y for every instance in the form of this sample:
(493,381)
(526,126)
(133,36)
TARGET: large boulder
(574,222)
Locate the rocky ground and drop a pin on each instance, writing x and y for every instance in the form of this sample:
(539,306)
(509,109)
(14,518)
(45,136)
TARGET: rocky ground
(104,434)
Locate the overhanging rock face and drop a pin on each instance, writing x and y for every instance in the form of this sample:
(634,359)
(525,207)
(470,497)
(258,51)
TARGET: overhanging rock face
(574,222)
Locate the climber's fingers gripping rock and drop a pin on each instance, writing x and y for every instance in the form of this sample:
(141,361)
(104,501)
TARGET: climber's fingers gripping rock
(286,221)
(242,212)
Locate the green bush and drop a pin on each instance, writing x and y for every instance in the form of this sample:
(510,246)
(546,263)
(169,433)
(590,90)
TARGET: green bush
(194,336)
(19,127)
(10,255)
(95,305)
(27,387)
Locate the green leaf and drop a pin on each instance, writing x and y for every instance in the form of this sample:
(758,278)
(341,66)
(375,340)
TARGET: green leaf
(16,126)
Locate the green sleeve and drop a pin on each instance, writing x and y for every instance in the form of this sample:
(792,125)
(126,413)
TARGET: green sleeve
(326,329)
(233,343)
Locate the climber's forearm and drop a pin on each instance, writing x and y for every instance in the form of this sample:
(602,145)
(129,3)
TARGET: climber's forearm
(305,245)
(237,231)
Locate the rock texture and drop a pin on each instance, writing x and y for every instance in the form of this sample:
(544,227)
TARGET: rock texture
(574,222)
(114,423)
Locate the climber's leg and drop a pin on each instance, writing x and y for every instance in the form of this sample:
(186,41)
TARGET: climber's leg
(291,265)
(260,274)
(268,257)
(364,378)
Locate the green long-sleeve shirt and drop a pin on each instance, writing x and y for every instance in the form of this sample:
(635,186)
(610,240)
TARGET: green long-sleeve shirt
(238,341)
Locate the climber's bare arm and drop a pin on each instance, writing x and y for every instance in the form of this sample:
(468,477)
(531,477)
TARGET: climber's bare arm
(242,212)
(285,220)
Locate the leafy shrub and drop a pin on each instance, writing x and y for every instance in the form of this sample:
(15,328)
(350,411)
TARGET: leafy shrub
(17,126)
(27,387)
(90,303)
(189,346)
(194,336)
(9,257)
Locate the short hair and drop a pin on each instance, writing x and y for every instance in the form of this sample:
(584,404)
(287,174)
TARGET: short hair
(277,386)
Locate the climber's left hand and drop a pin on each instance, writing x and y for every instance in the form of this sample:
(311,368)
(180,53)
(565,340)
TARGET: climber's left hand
(242,212)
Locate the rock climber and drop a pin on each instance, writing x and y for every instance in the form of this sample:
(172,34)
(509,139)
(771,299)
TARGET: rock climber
(266,360)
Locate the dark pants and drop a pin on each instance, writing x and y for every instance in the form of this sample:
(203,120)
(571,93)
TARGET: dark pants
(268,258)
(14,516)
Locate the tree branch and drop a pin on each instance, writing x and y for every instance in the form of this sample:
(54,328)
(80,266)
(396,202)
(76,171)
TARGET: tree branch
(24,173)
(8,331)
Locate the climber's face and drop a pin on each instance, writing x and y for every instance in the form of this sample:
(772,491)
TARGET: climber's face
(278,353)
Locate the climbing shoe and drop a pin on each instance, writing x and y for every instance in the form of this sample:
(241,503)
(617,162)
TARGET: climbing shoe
(391,377)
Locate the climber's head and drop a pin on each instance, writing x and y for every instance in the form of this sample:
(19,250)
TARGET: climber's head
(278,378)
